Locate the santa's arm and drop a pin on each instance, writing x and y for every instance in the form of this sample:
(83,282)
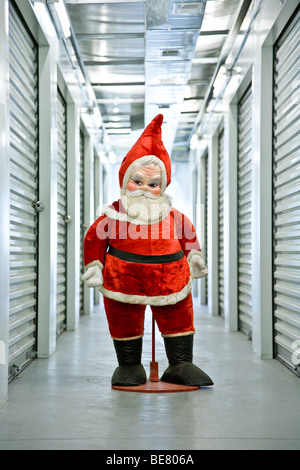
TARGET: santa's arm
(94,248)
(190,246)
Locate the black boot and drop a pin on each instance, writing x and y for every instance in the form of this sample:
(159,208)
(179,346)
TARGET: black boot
(130,371)
(181,369)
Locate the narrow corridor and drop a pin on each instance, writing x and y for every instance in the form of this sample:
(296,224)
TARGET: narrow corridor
(66,402)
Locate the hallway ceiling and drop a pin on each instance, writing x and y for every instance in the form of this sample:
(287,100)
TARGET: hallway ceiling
(148,57)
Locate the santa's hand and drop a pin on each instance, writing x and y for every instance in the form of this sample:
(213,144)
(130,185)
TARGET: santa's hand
(198,266)
(93,276)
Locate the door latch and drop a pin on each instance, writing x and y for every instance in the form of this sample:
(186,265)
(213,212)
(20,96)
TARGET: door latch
(38,206)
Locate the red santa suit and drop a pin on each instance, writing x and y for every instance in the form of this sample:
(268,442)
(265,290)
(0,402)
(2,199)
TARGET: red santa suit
(144,264)
(139,259)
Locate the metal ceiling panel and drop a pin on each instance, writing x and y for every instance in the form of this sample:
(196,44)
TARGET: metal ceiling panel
(184,15)
(149,57)
(219,25)
(107,18)
(157,13)
(111,41)
(170,49)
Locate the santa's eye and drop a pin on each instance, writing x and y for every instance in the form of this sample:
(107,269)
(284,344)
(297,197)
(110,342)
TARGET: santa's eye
(153,185)
(137,182)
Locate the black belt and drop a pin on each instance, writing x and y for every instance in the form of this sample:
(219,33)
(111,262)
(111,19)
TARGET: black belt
(145,259)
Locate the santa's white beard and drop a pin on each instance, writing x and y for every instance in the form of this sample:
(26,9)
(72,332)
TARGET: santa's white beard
(144,207)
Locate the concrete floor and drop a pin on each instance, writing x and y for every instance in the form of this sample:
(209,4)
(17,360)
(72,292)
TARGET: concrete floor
(66,402)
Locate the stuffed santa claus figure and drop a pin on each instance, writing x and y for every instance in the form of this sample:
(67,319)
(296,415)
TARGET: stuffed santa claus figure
(140,252)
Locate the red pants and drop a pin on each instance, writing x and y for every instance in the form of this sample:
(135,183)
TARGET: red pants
(126,321)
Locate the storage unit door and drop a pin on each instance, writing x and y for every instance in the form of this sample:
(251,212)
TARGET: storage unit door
(286,187)
(221,223)
(23,194)
(82,226)
(206,222)
(61,215)
(245,213)
(205,248)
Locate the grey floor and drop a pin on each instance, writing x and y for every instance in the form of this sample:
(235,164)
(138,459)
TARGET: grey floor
(66,402)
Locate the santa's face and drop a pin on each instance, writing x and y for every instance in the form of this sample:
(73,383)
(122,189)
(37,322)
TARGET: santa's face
(145,179)
(143,198)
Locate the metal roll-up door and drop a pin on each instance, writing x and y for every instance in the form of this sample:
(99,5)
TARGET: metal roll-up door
(286,190)
(196,217)
(62,220)
(205,223)
(245,213)
(82,226)
(23,67)
(221,223)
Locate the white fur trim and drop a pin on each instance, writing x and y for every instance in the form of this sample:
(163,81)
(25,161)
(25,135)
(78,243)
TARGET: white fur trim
(115,215)
(127,339)
(94,263)
(156,301)
(188,333)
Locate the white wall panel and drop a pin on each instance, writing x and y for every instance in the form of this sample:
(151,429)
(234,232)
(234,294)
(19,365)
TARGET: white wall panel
(89,211)
(230,219)
(212,226)
(73,239)
(48,195)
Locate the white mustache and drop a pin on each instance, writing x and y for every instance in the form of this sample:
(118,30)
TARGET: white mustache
(143,206)
(140,192)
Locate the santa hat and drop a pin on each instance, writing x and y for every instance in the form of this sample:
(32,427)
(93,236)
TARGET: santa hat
(149,144)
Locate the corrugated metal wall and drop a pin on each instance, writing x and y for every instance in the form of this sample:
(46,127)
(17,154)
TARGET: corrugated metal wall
(61,214)
(221,223)
(245,213)
(82,226)
(23,194)
(286,183)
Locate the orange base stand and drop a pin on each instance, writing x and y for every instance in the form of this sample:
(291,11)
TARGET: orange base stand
(154,385)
